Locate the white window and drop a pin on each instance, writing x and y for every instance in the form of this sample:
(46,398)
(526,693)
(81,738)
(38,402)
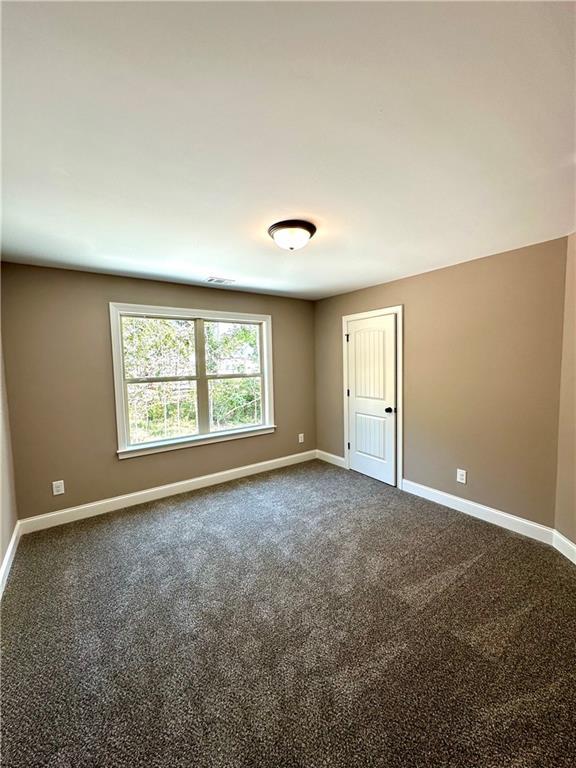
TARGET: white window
(185,376)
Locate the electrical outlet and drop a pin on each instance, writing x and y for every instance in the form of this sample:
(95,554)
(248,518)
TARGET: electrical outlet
(461,475)
(301,437)
(58,487)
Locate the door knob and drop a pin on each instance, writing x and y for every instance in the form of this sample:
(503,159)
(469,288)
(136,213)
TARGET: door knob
(388,410)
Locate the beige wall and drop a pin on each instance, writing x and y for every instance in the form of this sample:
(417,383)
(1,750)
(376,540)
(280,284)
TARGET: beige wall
(566,480)
(482,354)
(56,334)
(8,514)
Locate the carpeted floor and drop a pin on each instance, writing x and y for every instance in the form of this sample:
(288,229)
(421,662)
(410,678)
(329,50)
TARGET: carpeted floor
(307,617)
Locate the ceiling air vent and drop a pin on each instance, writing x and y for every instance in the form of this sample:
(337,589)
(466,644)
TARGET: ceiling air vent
(220,280)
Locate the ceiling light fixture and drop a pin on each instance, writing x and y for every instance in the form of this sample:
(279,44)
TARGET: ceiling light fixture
(292,233)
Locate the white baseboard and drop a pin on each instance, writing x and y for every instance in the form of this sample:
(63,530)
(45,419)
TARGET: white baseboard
(61,516)
(331,458)
(565,546)
(503,519)
(9,556)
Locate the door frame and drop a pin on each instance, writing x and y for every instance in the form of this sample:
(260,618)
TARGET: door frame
(399,312)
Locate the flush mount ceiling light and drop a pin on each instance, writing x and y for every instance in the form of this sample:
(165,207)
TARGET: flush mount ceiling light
(292,233)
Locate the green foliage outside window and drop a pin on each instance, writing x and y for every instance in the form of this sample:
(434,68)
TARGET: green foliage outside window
(231,348)
(162,410)
(234,403)
(158,347)
(166,348)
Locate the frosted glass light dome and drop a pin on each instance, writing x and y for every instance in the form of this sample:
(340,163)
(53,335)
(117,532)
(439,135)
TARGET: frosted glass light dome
(292,234)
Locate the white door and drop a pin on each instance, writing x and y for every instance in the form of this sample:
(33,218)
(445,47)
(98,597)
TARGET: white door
(372,396)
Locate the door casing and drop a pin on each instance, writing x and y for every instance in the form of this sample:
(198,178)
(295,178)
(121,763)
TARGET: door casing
(399,312)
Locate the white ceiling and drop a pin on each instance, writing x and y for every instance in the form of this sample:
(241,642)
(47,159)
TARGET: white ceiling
(162,139)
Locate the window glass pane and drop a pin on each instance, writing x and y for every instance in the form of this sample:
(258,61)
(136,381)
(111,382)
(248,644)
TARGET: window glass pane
(155,347)
(234,403)
(162,410)
(232,348)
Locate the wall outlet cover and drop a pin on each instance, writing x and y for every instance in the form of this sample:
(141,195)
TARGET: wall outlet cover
(58,487)
(301,437)
(461,476)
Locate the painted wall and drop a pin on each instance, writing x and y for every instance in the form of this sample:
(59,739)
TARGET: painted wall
(566,479)
(56,335)
(8,514)
(482,355)
(483,361)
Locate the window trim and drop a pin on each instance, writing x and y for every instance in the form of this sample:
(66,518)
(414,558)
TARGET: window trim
(125,449)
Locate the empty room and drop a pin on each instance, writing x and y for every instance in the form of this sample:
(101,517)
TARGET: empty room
(288,385)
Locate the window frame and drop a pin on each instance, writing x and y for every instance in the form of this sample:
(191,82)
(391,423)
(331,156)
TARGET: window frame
(128,450)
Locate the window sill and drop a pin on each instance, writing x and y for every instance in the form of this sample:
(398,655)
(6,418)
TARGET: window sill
(187,442)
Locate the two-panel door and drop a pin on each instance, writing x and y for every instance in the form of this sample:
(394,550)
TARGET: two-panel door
(371,361)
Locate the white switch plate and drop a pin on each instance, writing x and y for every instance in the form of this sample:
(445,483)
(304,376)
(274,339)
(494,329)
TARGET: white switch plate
(57,487)
(301,437)
(461,476)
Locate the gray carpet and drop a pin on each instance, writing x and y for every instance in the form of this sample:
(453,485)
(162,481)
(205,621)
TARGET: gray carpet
(307,617)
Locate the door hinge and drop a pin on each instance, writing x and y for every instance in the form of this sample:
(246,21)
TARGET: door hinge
(348,446)
(347,336)
(347,393)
